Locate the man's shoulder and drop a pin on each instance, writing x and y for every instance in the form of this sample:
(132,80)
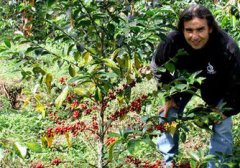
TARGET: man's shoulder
(226,41)
(174,37)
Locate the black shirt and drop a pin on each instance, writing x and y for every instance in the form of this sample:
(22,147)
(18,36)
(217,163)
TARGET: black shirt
(218,62)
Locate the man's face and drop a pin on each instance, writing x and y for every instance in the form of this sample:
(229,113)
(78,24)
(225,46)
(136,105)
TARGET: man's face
(196,32)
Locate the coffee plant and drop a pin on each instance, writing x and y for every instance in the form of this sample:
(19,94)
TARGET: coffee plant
(85,63)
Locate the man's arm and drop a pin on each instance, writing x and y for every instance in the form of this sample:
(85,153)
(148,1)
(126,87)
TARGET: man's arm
(165,51)
(232,96)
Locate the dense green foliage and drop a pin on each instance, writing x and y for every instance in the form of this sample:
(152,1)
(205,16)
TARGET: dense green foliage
(84,68)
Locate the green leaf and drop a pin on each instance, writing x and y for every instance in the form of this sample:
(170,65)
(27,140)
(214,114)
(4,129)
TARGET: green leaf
(137,61)
(149,142)
(170,67)
(70,48)
(126,133)
(61,97)
(48,81)
(234,21)
(50,2)
(183,137)
(113,134)
(115,54)
(7,43)
(194,156)
(35,147)
(132,145)
(72,71)
(110,151)
(127,94)
(87,57)
(98,94)
(77,56)
(1,154)
(209,157)
(81,91)
(111,64)
(20,150)
(181,87)
(37,70)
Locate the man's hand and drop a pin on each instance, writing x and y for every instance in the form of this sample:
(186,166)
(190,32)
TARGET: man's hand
(168,105)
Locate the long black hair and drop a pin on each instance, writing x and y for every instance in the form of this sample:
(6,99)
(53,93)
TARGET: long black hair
(199,11)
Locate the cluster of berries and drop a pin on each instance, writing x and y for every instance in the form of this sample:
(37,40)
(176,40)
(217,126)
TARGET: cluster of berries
(74,128)
(37,165)
(80,108)
(110,141)
(112,95)
(143,164)
(61,129)
(160,127)
(56,161)
(133,106)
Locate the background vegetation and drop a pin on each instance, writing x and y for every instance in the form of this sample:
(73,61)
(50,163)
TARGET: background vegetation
(76,89)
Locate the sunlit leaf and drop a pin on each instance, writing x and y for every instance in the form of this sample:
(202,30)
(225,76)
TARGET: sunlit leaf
(77,56)
(1,154)
(115,54)
(49,141)
(41,108)
(111,64)
(61,97)
(87,57)
(194,156)
(48,81)
(137,61)
(20,149)
(68,139)
(81,91)
(181,87)
(35,147)
(26,102)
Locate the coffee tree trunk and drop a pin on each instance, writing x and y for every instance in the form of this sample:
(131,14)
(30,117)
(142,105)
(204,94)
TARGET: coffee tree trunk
(101,139)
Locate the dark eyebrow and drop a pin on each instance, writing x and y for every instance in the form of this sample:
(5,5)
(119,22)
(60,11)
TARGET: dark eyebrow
(201,28)
(190,29)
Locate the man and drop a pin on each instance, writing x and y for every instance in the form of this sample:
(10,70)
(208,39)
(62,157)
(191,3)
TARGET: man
(210,51)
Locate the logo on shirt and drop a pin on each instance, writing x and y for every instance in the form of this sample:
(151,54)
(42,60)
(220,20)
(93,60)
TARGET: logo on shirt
(210,69)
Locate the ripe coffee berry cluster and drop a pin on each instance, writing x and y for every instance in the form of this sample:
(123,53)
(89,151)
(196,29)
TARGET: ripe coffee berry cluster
(184,165)
(160,127)
(133,106)
(62,80)
(143,164)
(37,165)
(53,116)
(62,128)
(79,108)
(56,162)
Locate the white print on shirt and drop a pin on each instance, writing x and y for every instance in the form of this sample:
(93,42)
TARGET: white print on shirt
(210,69)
